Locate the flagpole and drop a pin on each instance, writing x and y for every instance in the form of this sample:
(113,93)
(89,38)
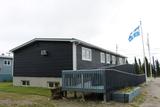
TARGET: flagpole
(149,54)
(145,67)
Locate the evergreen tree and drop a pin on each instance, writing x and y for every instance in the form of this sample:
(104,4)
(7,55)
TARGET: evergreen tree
(140,67)
(153,68)
(136,66)
(126,61)
(157,68)
(147,66)
(153,71)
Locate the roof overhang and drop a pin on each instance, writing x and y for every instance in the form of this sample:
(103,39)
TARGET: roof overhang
(42,39)
(65,40)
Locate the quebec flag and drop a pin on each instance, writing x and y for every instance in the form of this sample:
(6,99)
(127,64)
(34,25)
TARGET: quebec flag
(135,33)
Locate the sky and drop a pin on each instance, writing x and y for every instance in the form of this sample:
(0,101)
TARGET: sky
(103,23)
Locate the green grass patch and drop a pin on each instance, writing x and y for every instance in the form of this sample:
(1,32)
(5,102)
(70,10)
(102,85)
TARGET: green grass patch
(8,87)
(126,90)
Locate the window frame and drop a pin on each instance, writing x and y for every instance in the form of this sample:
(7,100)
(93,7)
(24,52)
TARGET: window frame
(108,58)
(86,54)
(7,62)
(25,82)
(113,59)
(55,84)
(102,57)
(120,60)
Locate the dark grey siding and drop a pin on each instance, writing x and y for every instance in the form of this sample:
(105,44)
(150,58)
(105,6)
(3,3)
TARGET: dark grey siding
(95,63)
(125,68)
(29,62)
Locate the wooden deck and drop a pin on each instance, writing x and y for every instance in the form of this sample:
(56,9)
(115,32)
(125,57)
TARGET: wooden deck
(99,80)
(84,80)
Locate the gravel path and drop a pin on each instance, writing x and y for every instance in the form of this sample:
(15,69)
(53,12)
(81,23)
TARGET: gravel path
(153,94)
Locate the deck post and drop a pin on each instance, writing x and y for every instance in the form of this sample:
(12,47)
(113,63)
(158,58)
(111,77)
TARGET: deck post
(82,82)
(65,94)
(104,83)
(75,94)
(83,99)
(104,97)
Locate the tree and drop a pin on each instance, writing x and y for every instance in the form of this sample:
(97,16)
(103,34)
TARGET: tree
(147,66)
(157,68)
(140,67)
(154,71)
(136,67)
(126,61)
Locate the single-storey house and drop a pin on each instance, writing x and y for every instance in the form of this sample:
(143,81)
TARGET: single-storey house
(40,62)
(5,68)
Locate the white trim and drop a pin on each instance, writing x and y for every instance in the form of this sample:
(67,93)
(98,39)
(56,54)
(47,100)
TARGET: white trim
(74,50)
(12,65)
(120,60)
(64,39)
(113,59)
(86,54)
(43,39)
(102,57)
(108,58)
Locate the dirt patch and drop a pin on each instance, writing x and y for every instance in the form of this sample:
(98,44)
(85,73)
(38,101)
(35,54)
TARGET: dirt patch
(9,102)
(149,97)
(152,98)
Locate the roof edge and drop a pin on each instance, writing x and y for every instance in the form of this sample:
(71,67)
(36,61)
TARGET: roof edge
(42,39)
(64,39)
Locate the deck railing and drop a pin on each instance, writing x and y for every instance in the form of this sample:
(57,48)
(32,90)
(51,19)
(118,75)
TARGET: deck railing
(98,80)
(116,79)
(84,80)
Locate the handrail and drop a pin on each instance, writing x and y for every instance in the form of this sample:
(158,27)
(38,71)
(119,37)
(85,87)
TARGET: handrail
(125,72)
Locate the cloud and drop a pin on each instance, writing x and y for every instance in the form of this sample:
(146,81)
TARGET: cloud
(101,22)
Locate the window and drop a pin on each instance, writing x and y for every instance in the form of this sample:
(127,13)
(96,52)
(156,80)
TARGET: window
(124,60)
(120,60)
(86,54)
(53,84)
(7,62)
(113,59)
(102,57)
(108,59)
(25,82)
(50,84)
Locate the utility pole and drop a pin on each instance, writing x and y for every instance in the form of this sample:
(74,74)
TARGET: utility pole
(149,54)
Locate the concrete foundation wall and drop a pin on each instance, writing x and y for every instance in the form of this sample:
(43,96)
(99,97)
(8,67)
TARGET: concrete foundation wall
(36,81)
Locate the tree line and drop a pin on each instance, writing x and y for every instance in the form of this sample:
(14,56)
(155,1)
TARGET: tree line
(140,67)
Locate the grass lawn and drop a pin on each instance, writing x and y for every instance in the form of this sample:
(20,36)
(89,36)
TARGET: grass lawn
(13,96)
(8,87)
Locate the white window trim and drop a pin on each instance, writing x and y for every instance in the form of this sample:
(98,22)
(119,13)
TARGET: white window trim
(86,54)
(113,59)
(108,59)
(102,57)
(120,60)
